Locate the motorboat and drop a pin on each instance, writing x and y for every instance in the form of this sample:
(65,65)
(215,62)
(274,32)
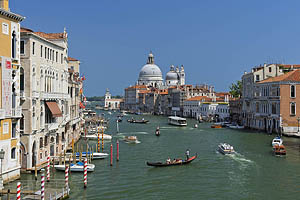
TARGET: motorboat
(95,136)
(226,148)
(236,127)
(279,150)
(143,121)
(78,167)
(131,139)
(172,163)
(157,131)
(196,126)
(277,141)
(95,155)
(177,121)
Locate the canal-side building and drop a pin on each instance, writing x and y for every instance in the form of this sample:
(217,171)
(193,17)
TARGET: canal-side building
(74,123)
(111,103)
(44,58)
(10,109)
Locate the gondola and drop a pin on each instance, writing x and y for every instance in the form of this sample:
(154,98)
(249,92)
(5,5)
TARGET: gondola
(157,131)
(138,121)
(177,162)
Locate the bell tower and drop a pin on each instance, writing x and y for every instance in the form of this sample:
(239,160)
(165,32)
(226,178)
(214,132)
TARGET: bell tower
(182,75)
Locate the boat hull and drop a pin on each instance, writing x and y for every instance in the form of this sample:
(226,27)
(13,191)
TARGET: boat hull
(76,168)
(160,164)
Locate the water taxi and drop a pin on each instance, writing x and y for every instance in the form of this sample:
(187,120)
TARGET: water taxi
(225,148)
(78,167)
(216,126)
(143,121)
(277,141)
(95,137)
(95,155)
(177,121)
(131,139)
(196,126)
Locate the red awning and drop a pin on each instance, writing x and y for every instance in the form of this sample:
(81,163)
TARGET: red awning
(53,107)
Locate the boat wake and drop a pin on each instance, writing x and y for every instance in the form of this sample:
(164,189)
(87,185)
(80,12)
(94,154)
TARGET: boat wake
(133,133)
(239,158)
(137,142)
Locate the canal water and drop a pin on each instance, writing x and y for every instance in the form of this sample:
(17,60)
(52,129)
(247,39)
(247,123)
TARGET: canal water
(253,173)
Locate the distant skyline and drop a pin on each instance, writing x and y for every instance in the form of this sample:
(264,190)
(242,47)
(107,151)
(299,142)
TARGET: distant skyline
(216,41)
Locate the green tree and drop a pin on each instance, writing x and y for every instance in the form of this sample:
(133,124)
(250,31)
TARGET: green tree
(236,89)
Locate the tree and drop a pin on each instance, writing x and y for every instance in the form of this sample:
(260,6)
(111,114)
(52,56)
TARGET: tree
(236,89)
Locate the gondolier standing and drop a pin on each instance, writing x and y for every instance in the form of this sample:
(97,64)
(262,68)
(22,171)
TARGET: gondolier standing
(187,153)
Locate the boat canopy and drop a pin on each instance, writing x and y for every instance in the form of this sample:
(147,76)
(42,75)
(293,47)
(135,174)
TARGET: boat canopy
(176,118)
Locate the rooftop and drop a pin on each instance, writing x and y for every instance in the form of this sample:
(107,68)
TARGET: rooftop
(289,76)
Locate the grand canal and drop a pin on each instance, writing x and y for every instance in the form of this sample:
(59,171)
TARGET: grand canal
(253,173)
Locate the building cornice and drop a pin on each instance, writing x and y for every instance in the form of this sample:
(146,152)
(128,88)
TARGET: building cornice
(29,34)
(11,15)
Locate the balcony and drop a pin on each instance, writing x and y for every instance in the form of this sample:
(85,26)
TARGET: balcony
(22,94)
(17,112)
(2,114)
(51,126)
(54,95)
(35,94)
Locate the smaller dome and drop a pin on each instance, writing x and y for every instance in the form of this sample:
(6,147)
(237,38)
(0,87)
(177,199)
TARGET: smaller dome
(171,75)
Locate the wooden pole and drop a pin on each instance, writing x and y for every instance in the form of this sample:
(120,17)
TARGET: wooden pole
(98,140)
(85,173)
(102,139)
(111,154)
(87,152)
(117,150)
(35,172)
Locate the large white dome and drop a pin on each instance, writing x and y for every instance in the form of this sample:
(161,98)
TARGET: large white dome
(150,72)
(171,75)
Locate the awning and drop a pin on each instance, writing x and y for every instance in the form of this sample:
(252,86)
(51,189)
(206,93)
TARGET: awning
(53,107)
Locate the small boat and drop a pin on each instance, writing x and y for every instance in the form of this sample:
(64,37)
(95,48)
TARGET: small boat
(226,148)
(172,163)
(157,131)
(216,126)
(131,139)
(279,150)
(78,167)
(109,113)
(95,155)
(138,121)
(177,121)
(119,120)
(95,137)
(196,126)
(277,141)
(236,127)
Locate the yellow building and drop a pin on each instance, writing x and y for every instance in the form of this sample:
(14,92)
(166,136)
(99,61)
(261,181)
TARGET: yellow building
(10,110)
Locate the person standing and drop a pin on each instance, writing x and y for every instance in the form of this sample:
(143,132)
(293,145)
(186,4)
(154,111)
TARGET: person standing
(187,153)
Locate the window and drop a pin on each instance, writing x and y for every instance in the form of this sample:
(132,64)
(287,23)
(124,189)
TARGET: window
(13,130)
(33,46)
(22,47)
(293,108)
(293,92)
(270,69)
(13,153)
(45,52)
(257,78)
(56,57)
(41,51)
(13,44)
(5,28)
(61,58)
(5,128)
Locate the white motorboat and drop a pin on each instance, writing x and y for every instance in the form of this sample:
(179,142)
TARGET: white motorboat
(277,141)
(236,127)
(226,148)
(95,137)
(196,126)
(177,121)
(95,155)
(131,139)
(78,167)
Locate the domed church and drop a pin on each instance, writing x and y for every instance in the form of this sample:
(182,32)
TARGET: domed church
(151,75)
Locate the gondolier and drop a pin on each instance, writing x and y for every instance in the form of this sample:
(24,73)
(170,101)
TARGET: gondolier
(187,153)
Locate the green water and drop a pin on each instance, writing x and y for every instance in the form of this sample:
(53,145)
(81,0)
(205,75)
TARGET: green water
(253,173)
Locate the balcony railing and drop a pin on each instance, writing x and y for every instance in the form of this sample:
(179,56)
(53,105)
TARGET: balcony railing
(54,95)
(35,94)
(17,112)
(2,114)
(51,126)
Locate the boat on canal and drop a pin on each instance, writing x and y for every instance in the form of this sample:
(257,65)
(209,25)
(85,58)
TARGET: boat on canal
(143,121)
(177,121)
(277,141)
(279,150)
(157,131)
(78,167)
(216,126)
(172,163)
(131,139)
(95,137)
(95,155)
(225,148)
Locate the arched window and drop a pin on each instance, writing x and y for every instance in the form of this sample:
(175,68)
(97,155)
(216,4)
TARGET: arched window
(13,153)
(293,91)
(22,79)
(41,142)
(13,44)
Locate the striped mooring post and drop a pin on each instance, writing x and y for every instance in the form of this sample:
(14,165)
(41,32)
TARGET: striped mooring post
(117,150)
(67,176)
(42,185)
(19,191)
(48,168)
(102,139)
(85,173)
(111,154)
(99,142)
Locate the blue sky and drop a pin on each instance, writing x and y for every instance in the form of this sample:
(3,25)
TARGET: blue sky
(216,40)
